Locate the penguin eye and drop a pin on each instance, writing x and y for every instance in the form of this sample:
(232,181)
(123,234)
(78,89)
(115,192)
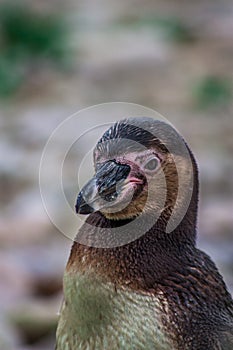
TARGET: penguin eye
(152,164)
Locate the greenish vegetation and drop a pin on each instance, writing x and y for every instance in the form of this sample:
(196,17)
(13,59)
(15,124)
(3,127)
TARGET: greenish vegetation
(171,28)
(28,36)
(213,91)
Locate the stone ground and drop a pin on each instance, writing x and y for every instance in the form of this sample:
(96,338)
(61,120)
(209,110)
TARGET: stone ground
(117,53)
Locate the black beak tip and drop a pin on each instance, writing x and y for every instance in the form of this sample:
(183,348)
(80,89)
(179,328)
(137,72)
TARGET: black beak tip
(81,207)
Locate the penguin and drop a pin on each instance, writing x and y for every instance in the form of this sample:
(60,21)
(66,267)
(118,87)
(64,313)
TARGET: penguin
(135,279)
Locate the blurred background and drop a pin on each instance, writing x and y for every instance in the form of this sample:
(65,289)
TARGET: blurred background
(58,57)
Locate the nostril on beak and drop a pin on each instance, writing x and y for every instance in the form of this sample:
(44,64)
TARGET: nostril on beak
(109,177)
(108,194)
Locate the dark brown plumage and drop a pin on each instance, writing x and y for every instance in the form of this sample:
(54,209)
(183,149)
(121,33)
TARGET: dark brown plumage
(157,291)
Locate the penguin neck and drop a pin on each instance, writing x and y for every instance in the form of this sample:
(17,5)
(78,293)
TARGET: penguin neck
(142,262)
(154,254)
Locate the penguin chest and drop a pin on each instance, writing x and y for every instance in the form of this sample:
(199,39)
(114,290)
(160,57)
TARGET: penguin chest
(97,316)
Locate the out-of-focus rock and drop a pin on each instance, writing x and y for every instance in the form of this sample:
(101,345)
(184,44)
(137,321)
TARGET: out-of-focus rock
(36,319)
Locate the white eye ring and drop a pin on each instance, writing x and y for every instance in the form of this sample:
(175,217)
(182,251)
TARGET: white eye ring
(152,164)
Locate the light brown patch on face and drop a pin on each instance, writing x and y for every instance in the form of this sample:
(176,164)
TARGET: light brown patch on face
(160,192)
(179,174)
(140,192)
(134,209)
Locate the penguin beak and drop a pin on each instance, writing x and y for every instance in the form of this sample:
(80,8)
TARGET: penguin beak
(104,189)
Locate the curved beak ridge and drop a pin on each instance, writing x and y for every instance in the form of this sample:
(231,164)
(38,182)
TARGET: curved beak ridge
(102,188)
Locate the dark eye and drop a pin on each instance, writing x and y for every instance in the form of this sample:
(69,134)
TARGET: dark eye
(152,164)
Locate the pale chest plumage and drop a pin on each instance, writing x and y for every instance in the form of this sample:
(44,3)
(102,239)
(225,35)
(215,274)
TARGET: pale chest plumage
(97,316)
